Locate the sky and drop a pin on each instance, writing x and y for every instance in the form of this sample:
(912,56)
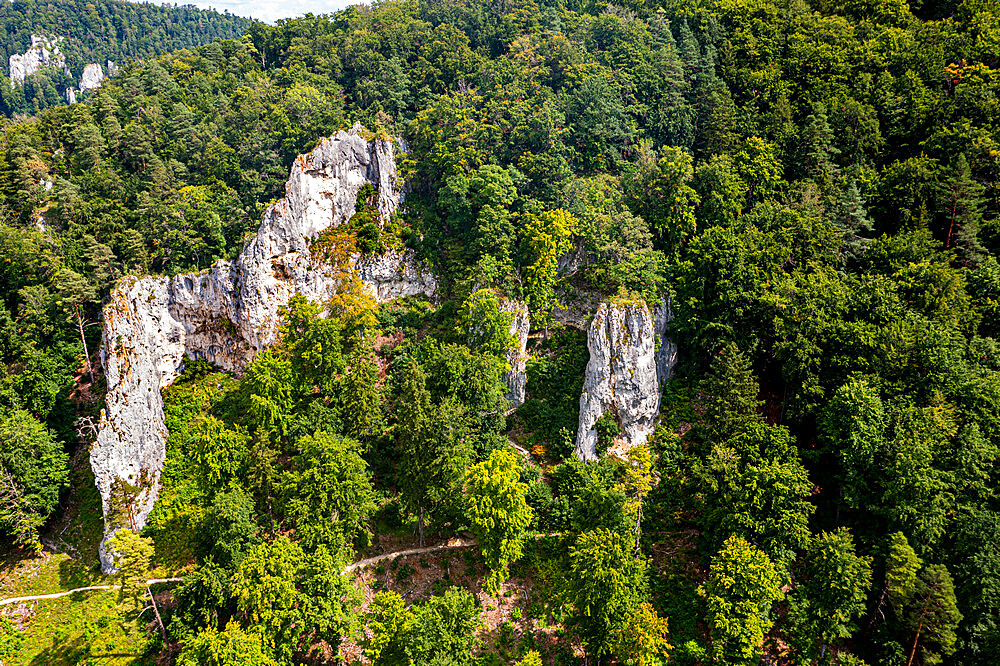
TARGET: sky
(271,10)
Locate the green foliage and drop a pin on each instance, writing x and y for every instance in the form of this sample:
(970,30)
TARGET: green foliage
(271,393)
(431,440)
(933,614)
(127,32)
(498,513)
(11,639)
(219,455)
(831,593)
(327,494)
(265,589)
(755,487)
(440,630)
(607,584)
(819,213)
(728,395)
(546,238)
(551,411)
(229,647)
(33,471)
(486,323)
(131,554)
(200,599)
(659,191)
(901,570)
(741,587)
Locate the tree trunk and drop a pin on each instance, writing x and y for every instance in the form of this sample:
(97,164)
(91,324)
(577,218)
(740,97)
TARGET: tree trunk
(638,526)
(951,226)
(420,526)
(913,650)
(86,353)
(156,610)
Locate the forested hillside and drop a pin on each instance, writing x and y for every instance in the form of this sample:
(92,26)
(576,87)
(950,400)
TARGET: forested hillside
(97,32)
(812,187)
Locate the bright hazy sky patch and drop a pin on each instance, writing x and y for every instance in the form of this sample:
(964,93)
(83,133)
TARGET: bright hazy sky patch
(271,10)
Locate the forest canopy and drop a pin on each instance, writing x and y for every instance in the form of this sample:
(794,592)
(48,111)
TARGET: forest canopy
(812,187)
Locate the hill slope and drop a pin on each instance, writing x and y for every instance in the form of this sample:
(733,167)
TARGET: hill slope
(98,32)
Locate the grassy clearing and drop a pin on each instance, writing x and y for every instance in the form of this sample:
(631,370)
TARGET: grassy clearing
(83,628)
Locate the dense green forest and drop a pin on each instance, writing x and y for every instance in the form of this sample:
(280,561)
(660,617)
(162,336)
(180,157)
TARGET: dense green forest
(95,32)
(814,187)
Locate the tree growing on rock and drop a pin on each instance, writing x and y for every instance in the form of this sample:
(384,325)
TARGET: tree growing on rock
(546,238)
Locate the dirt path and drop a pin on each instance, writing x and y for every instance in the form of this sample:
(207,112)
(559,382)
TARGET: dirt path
(56,595)
(454,544)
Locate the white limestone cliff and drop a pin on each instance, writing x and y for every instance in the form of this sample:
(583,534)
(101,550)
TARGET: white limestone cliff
(229,312)
(43,52)
(517,355)
(629,352)
(92,77)
(666,348)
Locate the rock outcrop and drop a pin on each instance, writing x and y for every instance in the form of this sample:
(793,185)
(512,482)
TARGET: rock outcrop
(517,355)
(92,77)
(229,312)
(622,376)
(666,348)
(43,52)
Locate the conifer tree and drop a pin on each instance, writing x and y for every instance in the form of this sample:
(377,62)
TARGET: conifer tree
(961,205)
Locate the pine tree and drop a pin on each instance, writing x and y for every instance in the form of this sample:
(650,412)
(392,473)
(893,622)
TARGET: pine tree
(432,444)
(960,203)
(816,149)
(848,213)
(728,394)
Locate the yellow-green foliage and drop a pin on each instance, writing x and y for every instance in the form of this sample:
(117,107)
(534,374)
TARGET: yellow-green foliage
(742,584)
(498,512)
(546,238)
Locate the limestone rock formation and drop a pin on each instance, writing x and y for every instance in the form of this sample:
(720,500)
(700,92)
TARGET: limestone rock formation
(666,348)
(622,373)
(517,356)
(43,52)
(92,77)
(229,312)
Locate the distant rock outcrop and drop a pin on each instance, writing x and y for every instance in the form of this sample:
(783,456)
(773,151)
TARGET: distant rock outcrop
(229,312)
(43,52)
(623,374)
(92,77)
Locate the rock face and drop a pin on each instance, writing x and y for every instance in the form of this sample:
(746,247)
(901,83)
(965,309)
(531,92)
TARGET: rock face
(666,349)
(92,77)
(517,356)
(622,373)
(229,312)
(43,52)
